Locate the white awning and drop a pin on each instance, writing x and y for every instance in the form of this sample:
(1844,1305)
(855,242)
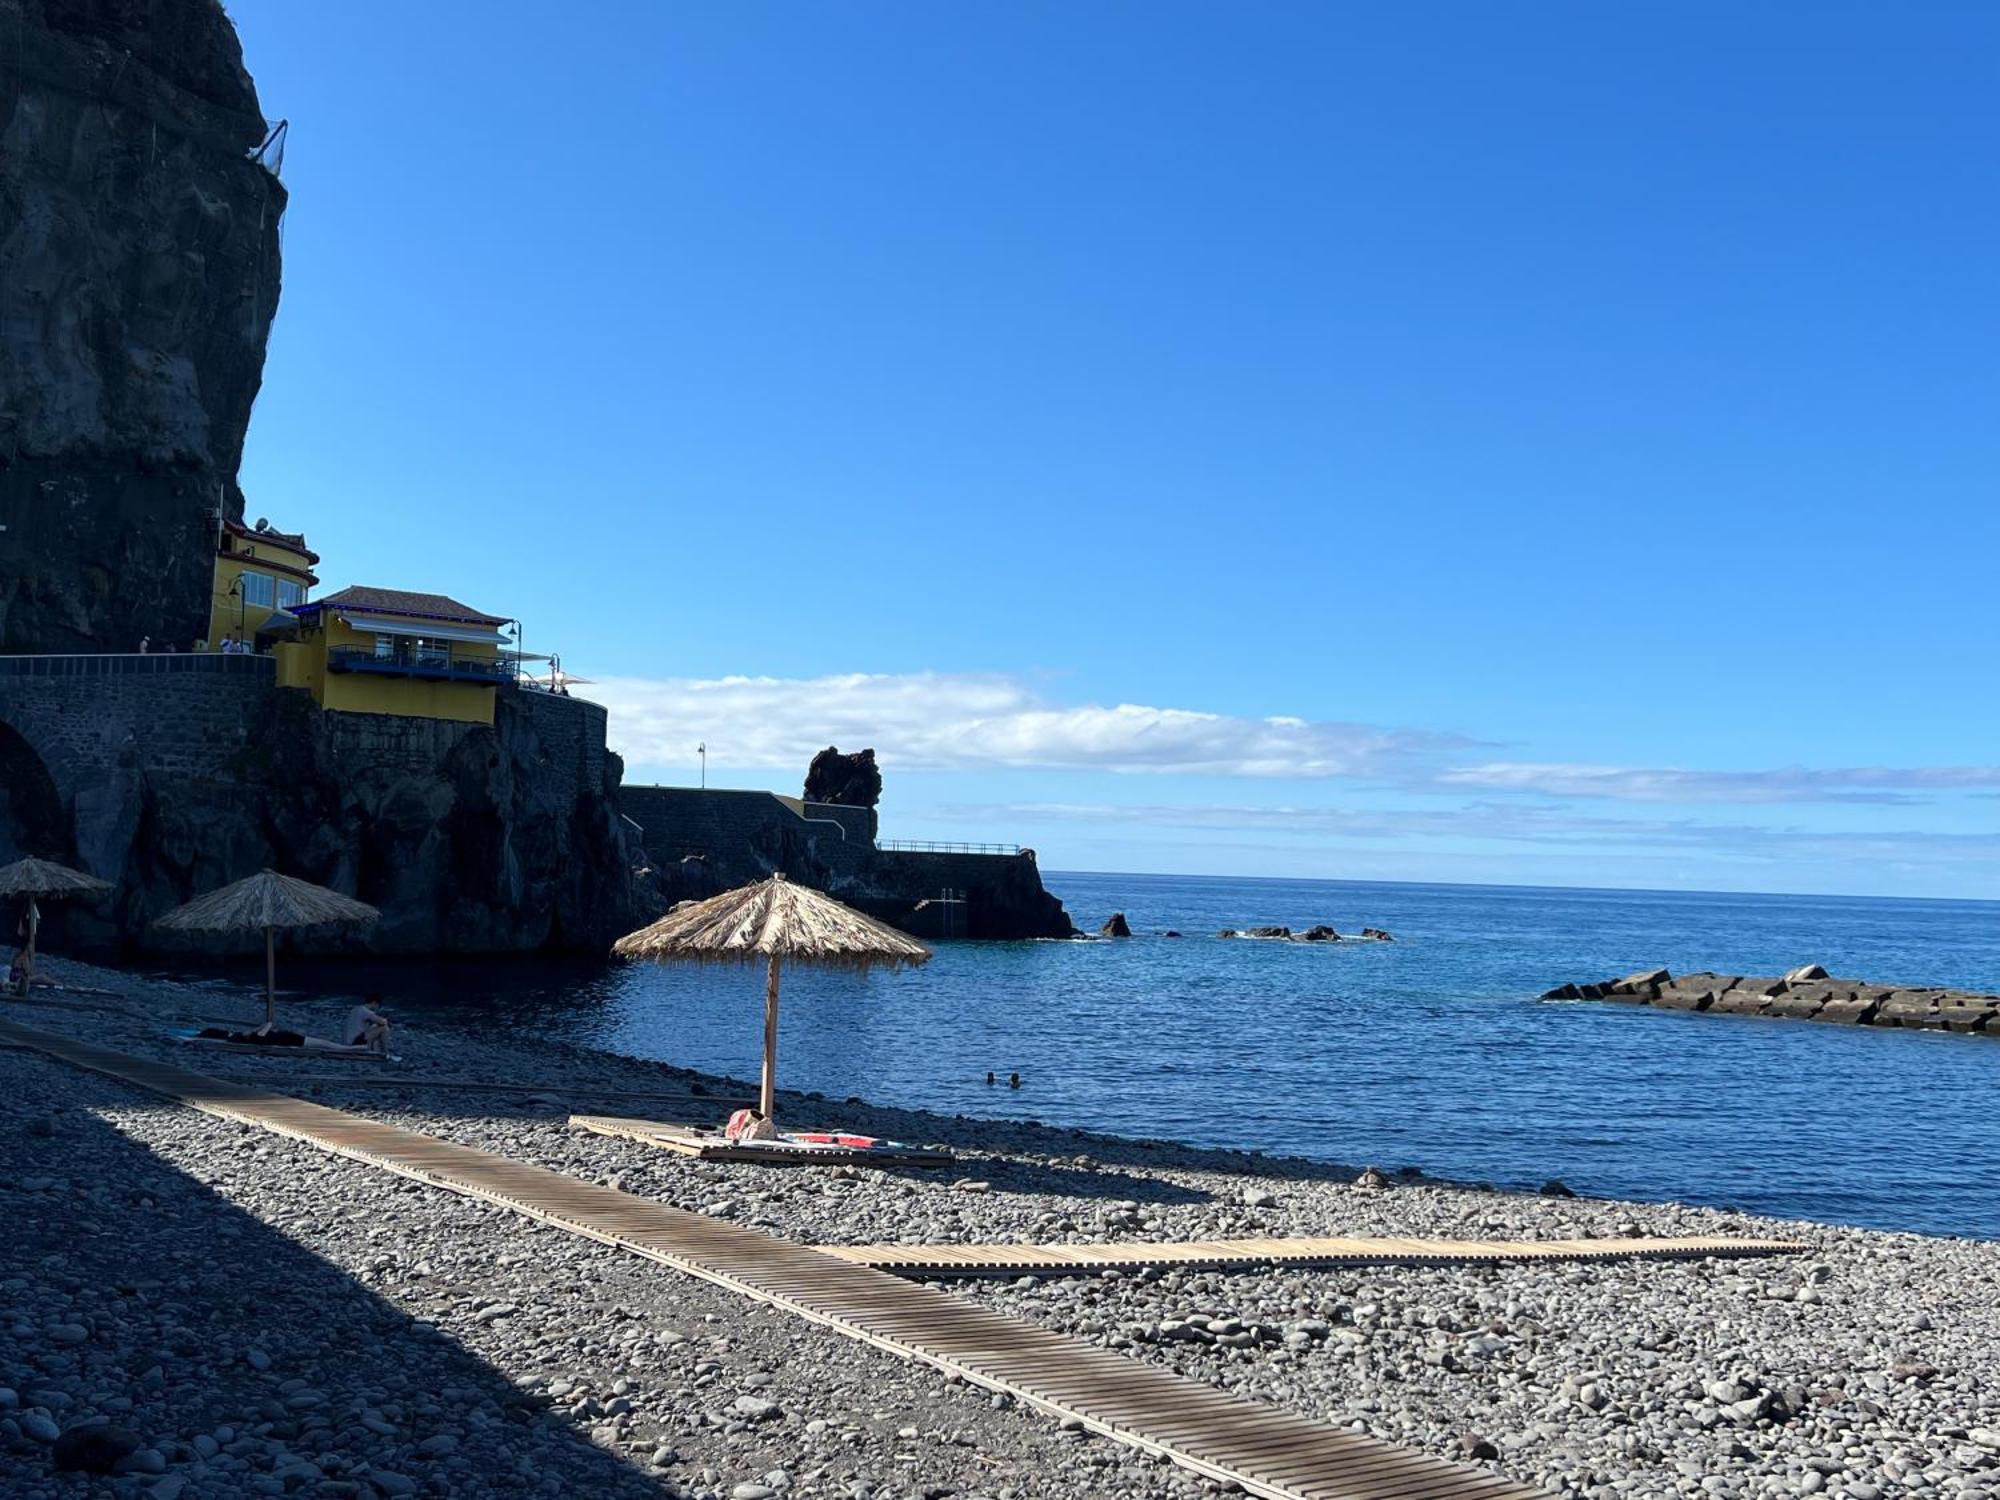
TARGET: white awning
(478,635)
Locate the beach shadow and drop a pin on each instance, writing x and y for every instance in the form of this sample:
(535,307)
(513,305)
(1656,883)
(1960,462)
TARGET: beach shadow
(166,1308)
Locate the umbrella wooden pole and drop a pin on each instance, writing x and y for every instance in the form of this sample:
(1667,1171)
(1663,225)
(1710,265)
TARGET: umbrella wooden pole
(34,925)
(270,979)
(767,1101)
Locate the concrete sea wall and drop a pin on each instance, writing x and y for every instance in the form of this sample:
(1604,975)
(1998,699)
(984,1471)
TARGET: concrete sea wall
(704,841)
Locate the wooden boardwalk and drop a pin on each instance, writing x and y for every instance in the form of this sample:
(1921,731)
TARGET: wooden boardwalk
(712,1103)
(936,1261)
(1269,1452)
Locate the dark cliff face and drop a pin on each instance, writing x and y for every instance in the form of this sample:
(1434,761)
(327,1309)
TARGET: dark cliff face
(467,841)
(139,274)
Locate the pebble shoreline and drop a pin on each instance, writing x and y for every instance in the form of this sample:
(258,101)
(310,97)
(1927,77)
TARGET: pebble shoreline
(263,1318)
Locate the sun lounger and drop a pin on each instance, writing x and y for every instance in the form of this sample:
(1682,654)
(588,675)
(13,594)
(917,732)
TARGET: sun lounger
(312,1046)
(796,1149)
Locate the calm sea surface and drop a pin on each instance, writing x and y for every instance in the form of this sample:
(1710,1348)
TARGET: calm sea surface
(1430,1051)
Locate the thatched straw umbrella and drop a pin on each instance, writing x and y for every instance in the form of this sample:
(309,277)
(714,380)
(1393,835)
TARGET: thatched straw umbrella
(775,920)
(270,901)
(38,879)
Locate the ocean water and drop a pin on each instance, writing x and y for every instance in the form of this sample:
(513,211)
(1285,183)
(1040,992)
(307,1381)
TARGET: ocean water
(1430,1051)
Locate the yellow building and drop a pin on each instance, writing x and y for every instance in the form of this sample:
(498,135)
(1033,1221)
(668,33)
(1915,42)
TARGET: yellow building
(258,571)
(384,651)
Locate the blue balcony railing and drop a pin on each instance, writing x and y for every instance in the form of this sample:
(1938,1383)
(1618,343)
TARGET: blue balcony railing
(429,663)
(933,846)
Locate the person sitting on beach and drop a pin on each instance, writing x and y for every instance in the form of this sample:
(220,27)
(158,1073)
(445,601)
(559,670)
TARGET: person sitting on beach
(17,973)
(367,1026)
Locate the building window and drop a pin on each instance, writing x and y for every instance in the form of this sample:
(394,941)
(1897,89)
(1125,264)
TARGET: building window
(290,593)
(385,647)
(259,590)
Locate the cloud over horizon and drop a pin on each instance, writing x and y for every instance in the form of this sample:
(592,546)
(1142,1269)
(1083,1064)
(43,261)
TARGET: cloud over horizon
(954,721)
(971,722)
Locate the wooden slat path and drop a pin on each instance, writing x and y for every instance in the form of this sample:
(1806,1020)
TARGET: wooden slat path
(1269,1452)
(932,1261)
(708,1145)
(715,1103)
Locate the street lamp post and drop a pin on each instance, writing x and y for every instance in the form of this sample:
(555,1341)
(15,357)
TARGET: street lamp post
(702,751)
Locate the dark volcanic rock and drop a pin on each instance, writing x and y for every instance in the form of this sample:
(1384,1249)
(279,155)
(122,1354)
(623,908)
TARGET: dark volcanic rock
(139,273)
(1645,982)
(1741,1002)
(1115,926)
(92,1449)
(1319,934)
(850,780)
(1685,996)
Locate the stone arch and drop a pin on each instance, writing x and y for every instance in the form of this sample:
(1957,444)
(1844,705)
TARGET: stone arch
(32,820)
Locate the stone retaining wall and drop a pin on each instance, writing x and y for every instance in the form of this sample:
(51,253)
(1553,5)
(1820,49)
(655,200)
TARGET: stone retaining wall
(1803,995)
(179,713)
(171,775)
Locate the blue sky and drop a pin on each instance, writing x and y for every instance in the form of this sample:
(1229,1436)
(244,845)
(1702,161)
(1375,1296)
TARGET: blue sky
(1548,443)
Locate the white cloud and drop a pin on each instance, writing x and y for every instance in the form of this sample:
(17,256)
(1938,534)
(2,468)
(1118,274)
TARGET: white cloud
(1882,785)
(960,721)
(942,721)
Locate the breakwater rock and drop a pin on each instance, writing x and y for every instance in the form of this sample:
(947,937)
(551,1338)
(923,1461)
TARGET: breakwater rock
(139,272)
(1807,994)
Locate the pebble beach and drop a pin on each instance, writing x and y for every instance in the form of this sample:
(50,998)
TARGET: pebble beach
(213,1310)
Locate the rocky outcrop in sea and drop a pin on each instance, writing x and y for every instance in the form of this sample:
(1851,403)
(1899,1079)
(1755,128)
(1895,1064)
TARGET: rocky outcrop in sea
(1319,932)
(1804,994)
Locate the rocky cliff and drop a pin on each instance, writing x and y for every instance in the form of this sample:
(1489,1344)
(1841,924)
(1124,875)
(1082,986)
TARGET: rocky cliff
(845,780)
(139,274)
(179,778)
